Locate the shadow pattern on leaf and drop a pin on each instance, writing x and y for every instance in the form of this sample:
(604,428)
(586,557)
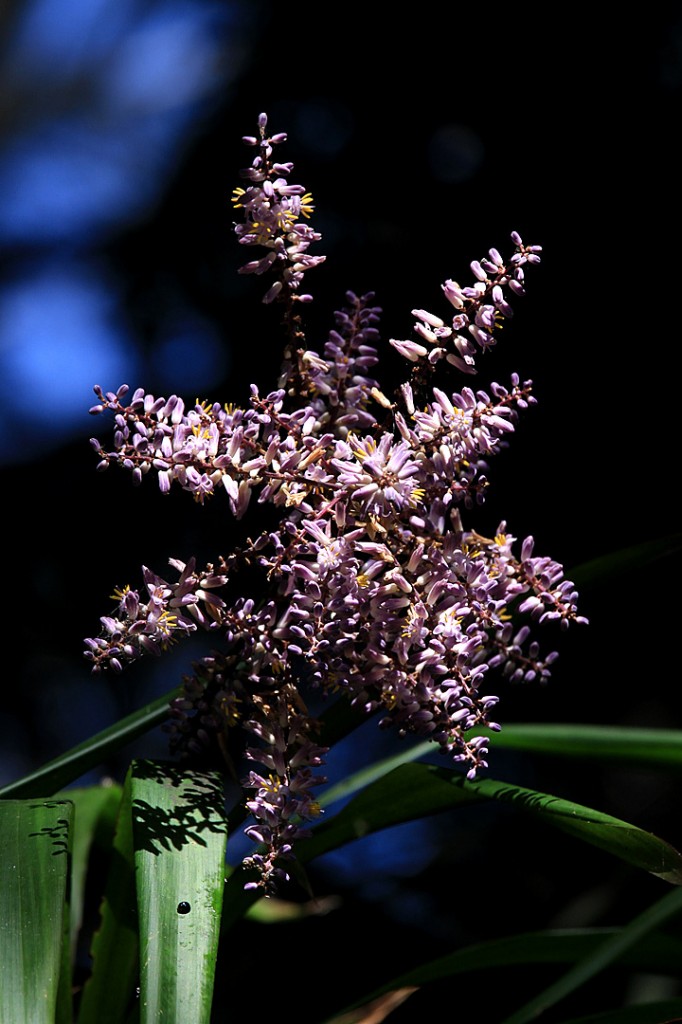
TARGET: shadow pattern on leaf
(196,807)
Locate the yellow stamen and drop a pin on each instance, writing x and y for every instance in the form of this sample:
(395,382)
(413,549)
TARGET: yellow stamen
(307,204)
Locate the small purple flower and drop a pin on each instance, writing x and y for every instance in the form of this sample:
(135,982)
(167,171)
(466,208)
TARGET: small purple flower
(381,476)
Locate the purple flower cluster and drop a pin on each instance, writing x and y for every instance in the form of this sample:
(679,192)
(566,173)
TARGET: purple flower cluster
(371,586)
(479,310)
(171,611)
(272,211)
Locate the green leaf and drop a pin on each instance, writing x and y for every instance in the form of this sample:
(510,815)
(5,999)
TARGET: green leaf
(115,944)
(607,953)
(180,836)
(637,747)
(654,952)
(628,745)
(371,773)
(35,843)
(396,790)
(96,808)
(70,766)
(414,790)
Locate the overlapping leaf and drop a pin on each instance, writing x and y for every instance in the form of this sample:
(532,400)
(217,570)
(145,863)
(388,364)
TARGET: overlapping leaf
(35,843)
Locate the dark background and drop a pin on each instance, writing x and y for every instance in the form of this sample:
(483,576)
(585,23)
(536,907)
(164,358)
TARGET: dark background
(426,137)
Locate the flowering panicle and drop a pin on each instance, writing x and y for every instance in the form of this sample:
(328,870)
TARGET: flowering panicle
(272,219)
(371,585)
(171,611)
(336,385)
(479,311)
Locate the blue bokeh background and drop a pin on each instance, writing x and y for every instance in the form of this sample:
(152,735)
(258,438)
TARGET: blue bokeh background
(102,102)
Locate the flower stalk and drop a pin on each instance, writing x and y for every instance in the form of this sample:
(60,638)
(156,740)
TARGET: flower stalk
(372,584)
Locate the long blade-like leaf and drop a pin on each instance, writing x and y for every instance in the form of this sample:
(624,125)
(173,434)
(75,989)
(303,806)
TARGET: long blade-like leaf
(35,840)
(653,952)
(70,766)
(630,745)
(180,837)
(603,956)
(415,790)
(96,808)
(115,945)
(395,790)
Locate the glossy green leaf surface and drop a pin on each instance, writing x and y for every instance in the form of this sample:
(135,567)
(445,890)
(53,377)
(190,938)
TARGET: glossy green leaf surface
(115,944)
(631,745)
(95,811)
(180,836)
(386,799)
(414,790)
(35,843)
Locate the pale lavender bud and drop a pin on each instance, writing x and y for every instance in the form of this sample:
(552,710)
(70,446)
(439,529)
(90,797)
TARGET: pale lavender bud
(408,397)
(531,604)
(453,293)
(465,365)
(501,303)
(425,333)
(428,318)
(152,405)
(484,338)
(272,292)
(252,174)
(258,266)
(409,349)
